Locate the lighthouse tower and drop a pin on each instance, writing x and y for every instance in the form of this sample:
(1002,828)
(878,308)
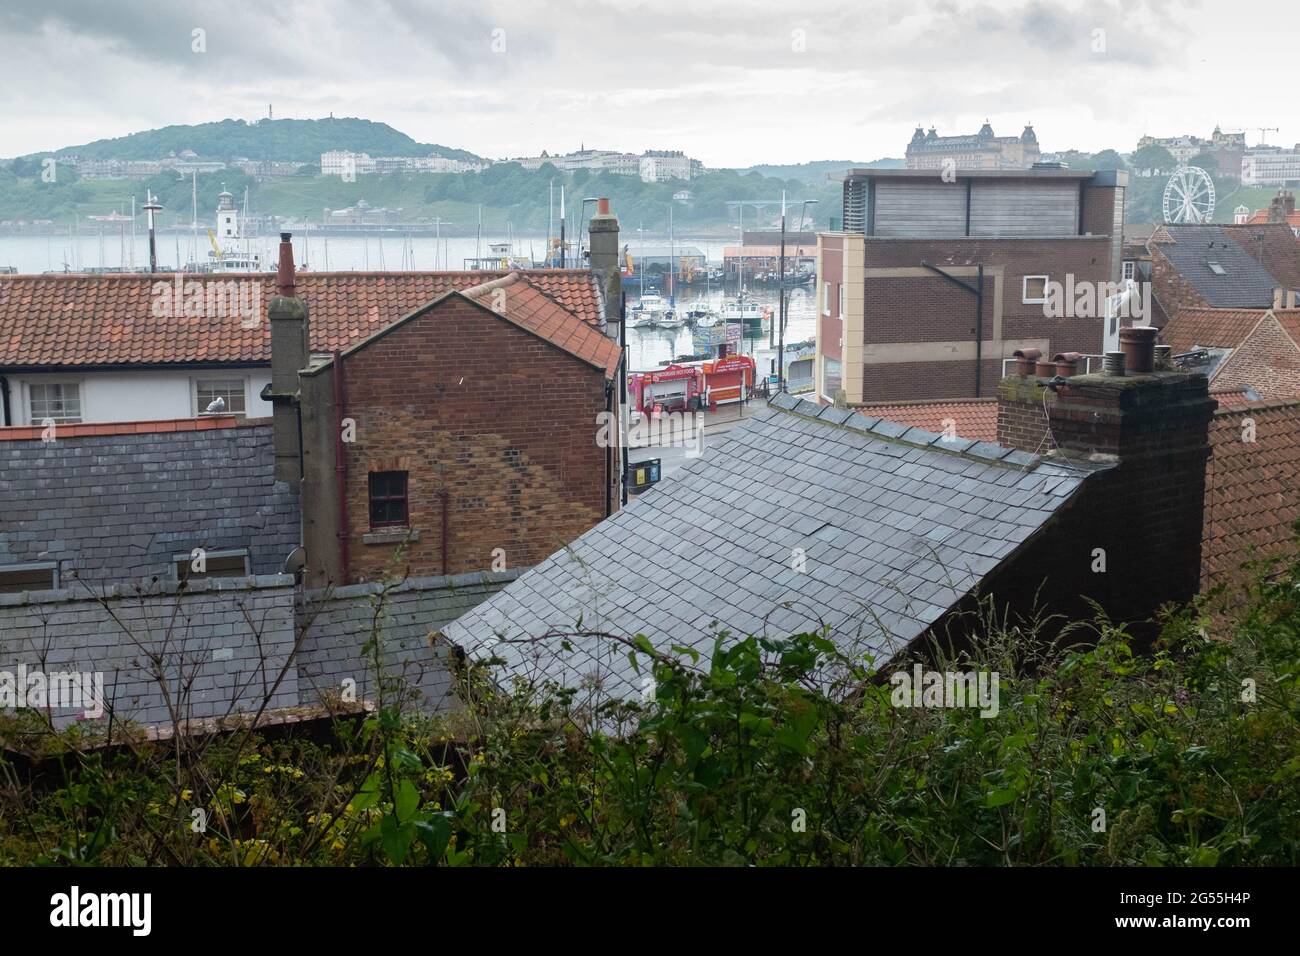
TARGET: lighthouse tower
(227,218)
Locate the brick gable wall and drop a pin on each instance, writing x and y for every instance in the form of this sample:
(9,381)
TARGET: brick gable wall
(1268,360)
(500,421)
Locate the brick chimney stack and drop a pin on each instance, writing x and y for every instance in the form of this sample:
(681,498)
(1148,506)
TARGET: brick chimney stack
(603,231)
(290,352)
(1146,435)
(1281,206)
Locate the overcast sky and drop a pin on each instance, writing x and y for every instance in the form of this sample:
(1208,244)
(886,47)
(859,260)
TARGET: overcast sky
(732,83)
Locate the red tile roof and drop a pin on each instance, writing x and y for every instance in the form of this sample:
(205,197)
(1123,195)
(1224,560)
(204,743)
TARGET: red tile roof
(1209,328)
(1230,397)
(83,320)
(514,298)
(1250,496)
(1260,218)
(973,418)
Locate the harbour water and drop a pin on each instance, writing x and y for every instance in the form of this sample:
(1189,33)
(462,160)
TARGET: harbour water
(648,348)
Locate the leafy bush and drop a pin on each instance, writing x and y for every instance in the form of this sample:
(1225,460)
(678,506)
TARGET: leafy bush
(775,752)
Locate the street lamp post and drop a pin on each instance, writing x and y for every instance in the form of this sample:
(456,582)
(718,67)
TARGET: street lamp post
(780,348)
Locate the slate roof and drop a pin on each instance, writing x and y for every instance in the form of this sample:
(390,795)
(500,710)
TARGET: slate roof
(975,418)
(896,526)
(1245,284)
(85,320)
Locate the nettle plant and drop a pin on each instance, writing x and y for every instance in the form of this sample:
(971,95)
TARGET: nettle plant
(776,751)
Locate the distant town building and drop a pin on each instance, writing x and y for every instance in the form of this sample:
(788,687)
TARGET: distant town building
(1271,166)
(903,315)
(347,164)
(362,214)
(929,150)
(1226,148)
(652,165)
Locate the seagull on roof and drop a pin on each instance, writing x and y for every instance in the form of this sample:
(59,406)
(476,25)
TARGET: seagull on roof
(218,404)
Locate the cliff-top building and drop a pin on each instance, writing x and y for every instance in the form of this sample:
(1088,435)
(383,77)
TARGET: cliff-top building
(928,150)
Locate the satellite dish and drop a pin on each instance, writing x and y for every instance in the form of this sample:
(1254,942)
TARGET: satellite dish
(1189,196)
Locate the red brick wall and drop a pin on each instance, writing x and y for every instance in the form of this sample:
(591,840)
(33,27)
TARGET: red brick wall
(502,421)
(1022,418)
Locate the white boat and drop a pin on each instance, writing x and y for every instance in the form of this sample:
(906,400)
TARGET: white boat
(753,316)
(702,317)
(650,312)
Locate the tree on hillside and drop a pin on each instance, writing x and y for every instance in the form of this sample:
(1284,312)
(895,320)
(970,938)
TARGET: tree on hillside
(1208,162)
(1154,159)
(1108,159)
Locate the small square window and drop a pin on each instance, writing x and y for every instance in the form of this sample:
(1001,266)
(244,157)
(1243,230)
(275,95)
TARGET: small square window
(388,502)
(58,402)
(1035,289)
(229,390)
(1128,269)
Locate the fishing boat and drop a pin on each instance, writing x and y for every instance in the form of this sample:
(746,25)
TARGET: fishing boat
(754,318)
(651,311)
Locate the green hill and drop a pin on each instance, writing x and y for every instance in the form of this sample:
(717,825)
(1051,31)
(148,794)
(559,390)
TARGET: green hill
(815,172)
(289,140)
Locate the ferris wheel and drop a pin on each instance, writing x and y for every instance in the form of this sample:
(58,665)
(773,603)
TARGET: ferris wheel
(1189,196)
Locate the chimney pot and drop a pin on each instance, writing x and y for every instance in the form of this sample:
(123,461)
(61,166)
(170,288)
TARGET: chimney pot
(1113,364)
(1278,298)
(1044,368)
(1290,299)
(1067,363)
(1025,359)
(602,206)
(284,276)
(1138,343)
(1164,357)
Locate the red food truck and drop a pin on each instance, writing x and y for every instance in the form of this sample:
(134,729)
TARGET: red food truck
(726,380)
(673,388)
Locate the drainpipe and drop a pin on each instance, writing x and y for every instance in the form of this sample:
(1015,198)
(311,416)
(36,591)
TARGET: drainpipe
(609,446)
(341,467)
(445,499)
(977,291)
(622,407)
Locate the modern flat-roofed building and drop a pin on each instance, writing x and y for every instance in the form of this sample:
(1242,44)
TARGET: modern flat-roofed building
(932,283)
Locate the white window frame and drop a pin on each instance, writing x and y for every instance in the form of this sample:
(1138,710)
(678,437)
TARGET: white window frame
(824,359)
(197,409)
(65,382)
(185,557)
(1128,269)
(1024,290)
(51,566)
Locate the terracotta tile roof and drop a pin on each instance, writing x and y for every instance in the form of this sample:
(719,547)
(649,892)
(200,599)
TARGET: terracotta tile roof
(1260,218)
(1209,328)
(81,320)
(1250,499)
(973,418)
(1230,397)
(1272,245)
(514,298)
